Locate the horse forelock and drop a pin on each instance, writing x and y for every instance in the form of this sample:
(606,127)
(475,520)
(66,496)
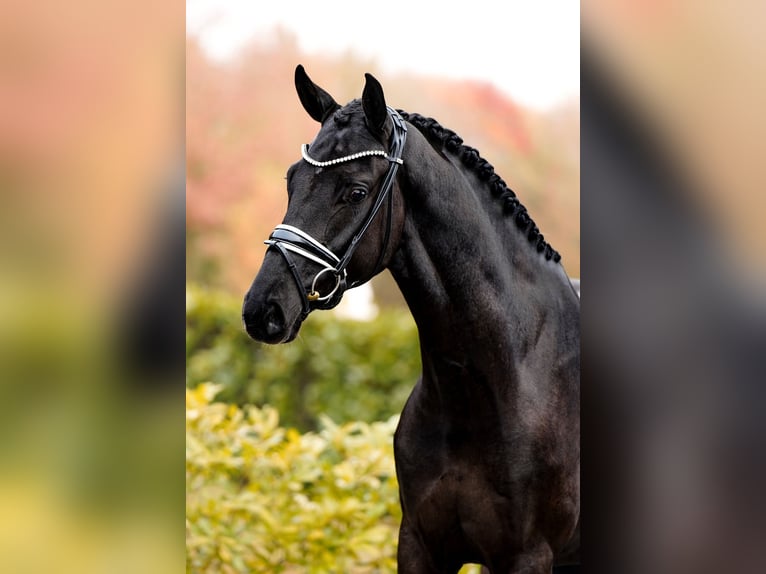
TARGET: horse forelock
(342,116)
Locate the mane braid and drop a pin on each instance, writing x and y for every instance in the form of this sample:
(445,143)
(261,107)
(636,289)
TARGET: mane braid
(470,157)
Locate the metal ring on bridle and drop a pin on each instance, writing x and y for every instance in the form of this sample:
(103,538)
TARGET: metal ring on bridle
(313,295)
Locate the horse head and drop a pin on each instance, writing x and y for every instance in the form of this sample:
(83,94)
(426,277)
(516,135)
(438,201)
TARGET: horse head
(344,216)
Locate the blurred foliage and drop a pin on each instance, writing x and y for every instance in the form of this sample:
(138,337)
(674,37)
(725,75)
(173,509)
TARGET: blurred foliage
(90,458)
(346,369)
(264,498)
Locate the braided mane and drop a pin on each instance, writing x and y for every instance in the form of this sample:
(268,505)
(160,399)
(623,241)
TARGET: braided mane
(470,157)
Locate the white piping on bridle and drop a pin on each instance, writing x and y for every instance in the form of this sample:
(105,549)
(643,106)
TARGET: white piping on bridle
(303,253)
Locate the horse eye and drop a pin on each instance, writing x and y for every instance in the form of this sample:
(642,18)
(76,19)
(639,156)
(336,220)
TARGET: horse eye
(357,195)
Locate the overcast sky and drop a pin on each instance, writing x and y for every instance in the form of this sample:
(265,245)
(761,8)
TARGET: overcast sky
(529,49)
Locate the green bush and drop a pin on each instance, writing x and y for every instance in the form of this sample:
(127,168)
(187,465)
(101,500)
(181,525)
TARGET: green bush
(261,498)
(348,370)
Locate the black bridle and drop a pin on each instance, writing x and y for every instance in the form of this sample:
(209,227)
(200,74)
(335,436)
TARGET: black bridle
(288,239)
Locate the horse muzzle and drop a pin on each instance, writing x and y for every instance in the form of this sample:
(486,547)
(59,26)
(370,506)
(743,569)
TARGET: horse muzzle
(271,310)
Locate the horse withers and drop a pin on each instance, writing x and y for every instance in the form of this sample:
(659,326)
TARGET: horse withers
(487,448)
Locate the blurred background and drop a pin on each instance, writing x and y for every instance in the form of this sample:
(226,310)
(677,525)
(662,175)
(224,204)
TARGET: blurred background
(674,312)
(91,286)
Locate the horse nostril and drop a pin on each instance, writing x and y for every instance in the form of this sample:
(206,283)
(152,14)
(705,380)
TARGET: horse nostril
(265,322)
(273,321)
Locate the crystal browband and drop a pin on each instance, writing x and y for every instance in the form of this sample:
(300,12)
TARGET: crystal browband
(357,155)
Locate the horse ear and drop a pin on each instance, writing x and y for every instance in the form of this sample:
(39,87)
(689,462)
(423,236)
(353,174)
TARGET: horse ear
(374,104)
(318,103)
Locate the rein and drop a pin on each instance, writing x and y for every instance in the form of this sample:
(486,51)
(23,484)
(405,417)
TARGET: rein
(288,239)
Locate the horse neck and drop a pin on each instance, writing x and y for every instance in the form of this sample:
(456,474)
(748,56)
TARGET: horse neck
(478,290)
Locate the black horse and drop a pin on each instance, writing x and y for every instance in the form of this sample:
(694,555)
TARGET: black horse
(488,446)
